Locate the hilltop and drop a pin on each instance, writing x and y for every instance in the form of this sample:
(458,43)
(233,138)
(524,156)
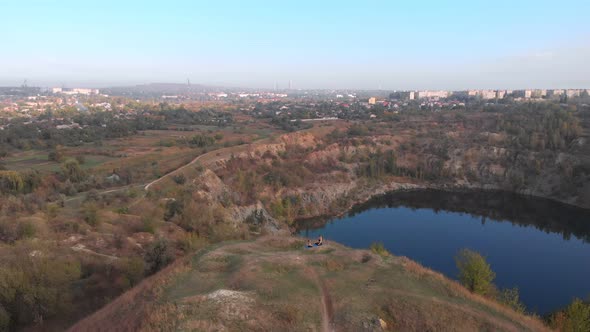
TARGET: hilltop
(275,283)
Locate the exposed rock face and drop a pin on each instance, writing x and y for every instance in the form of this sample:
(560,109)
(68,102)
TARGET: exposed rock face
(545,174)
(256,215)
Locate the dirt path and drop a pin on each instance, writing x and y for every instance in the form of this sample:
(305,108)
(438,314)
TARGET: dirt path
(216,153)
(327,308)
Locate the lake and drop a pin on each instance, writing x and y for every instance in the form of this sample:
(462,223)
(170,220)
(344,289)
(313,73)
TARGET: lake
(538,245)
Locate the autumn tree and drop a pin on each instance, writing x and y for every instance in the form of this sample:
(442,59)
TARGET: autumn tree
(72,171)
(474,272)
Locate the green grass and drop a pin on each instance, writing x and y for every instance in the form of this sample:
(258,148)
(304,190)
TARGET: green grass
(39,160)
(92,161)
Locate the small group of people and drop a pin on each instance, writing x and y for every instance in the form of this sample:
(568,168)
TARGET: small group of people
(318,243)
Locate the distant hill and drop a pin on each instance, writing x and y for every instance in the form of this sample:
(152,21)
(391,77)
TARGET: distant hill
(275,283)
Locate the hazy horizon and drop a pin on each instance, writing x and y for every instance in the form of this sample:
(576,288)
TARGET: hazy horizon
(329,45)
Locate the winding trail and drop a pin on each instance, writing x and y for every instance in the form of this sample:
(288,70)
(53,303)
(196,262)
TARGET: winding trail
(197,158)
(213,155)
(216,153)
(327,307)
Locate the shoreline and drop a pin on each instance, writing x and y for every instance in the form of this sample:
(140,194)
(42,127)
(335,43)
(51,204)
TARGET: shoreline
(398,187)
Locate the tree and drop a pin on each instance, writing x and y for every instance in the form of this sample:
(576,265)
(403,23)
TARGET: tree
(158,255)
(11,181)
(72,171)
(474,272)
(56,155)
(90,213)
(173,207)
(133,269)
(35,287)
(574,318)
(4,319)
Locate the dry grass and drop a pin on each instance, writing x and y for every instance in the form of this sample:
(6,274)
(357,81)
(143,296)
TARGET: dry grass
(456,289)
(279,285)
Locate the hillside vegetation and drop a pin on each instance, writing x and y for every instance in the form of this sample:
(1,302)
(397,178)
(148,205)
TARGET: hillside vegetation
(116,205)
(276,284)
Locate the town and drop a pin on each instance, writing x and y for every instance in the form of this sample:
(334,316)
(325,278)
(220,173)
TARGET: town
(33,103)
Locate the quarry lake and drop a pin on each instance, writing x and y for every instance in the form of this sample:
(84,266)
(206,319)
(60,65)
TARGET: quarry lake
(538,245)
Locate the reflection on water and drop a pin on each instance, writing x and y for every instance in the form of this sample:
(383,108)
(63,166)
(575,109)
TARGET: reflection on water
(544,214)
(538,245)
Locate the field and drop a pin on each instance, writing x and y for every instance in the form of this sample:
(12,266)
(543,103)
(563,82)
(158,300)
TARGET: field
(160,150)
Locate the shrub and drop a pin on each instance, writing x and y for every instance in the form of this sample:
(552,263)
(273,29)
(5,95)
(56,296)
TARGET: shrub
(72,171)
(35,288)
(158,255)
(149,225)
(8,231)
(202,141)
(179,179)
(56,155)
(474,272)
(511,298)
(51,210)
(122,210)
(133,269)
(379,249)
(191,242)
(4,319)
(173,207)
(90,214)
(11,182)
(26,229)
(574,318)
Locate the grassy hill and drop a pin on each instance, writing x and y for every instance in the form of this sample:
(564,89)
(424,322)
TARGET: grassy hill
(276,284)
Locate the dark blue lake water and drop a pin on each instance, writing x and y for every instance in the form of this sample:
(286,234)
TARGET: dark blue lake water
(540,246)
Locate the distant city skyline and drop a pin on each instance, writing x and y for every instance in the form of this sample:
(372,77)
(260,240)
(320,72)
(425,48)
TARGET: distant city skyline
(370,45)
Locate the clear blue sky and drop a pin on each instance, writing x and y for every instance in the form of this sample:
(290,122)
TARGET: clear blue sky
(315,44)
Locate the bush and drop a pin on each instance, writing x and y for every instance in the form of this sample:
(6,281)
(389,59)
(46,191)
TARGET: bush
(90,213)
(8,231)
(149,225)
(574,318)
(191,242)
(179,179)
(35,288)
(56,155)
(511,298)
(122,210)
(379,249)
(133,269)
(173,207)
(474,272)
(26,230)
(158,255)
(52,210)
(72,171)
(4,319)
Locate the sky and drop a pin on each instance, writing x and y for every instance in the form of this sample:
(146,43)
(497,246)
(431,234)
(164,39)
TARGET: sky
(369,44)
